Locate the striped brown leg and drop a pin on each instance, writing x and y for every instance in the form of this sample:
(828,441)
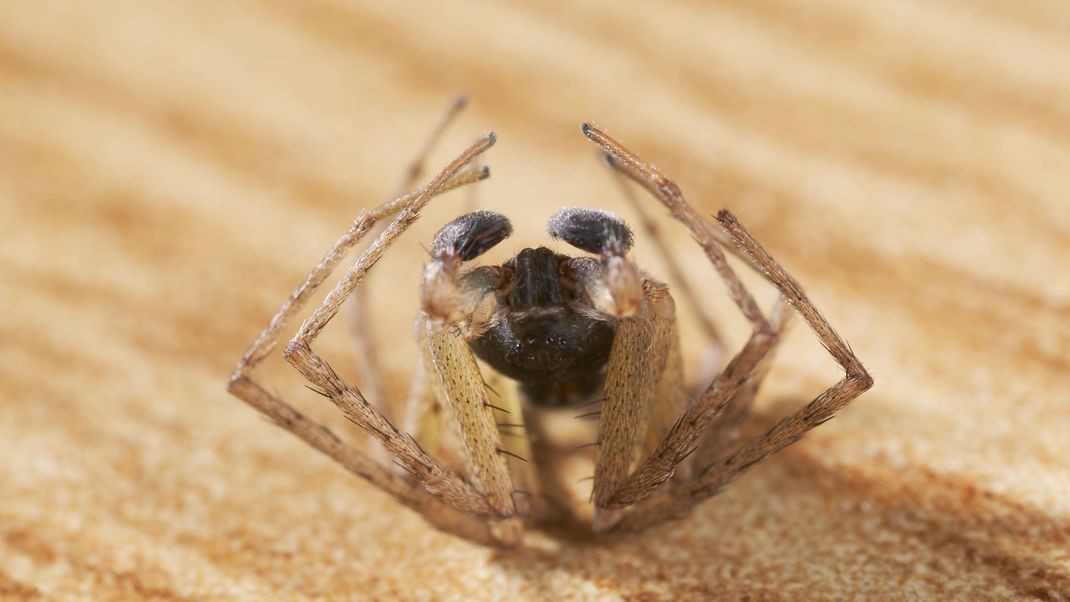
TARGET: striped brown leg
(242,384)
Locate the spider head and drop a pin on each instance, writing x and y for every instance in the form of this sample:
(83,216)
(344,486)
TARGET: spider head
(543,330)
(542,318)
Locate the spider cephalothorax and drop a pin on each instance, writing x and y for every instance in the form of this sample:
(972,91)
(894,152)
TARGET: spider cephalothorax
(545,329)
(563,329)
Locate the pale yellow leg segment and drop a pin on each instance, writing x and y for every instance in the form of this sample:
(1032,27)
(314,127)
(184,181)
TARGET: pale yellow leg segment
(670,401)
(633,375)
(466,394)
(516,443)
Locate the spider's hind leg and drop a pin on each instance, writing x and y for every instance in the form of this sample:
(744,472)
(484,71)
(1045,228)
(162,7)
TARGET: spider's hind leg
(789,430)
(734,387)
(717,475)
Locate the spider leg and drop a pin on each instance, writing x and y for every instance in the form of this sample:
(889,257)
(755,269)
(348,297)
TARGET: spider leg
(365,355)
(789,430)
(715,346)
(686,434)
(644,315)
(744,368)
(724,433)
(435,477)
(477,418)
(633,416)
(636,359)
(458,306)
(714,477)
(352,459)
(265,342)
(242,385)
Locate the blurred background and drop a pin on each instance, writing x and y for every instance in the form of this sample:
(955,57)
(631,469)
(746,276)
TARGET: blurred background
(170,171)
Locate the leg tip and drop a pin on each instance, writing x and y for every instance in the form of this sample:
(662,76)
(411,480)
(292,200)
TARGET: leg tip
(605,519)
(508,533)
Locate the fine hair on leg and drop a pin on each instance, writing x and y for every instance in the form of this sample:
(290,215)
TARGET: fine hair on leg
(744,369)
(365,354)
(446,499)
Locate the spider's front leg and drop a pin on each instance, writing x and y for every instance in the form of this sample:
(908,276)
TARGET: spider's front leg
(643,389)
(457,306)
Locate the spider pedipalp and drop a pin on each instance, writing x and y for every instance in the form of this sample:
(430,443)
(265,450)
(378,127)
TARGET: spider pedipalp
(471,235)
(591,230)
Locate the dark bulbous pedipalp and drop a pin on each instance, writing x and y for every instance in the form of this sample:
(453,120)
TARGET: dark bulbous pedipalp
(591,230)
(472,234)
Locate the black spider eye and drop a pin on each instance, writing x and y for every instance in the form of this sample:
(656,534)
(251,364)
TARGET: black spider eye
(591,230)
(472,234)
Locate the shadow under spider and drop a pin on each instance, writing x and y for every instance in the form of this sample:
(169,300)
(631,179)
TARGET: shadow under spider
(955,522)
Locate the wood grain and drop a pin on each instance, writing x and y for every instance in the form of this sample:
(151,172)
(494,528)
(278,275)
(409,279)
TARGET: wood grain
(169,171)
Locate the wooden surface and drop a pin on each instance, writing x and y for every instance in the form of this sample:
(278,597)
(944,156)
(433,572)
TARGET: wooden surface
(169,171)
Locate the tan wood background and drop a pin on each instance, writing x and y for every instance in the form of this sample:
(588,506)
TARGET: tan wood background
(168,171)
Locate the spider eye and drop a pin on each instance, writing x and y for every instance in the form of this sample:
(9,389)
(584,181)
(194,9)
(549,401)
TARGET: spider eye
(472,234)
(591,230)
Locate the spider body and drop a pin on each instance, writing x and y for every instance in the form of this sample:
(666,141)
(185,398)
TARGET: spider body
(566,329)
(544,332)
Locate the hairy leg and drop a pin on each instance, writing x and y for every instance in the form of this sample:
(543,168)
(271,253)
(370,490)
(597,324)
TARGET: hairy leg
(685,436)
(366,356)
(242,385)
(714,352)
(633,379)
(477,420)
(716,476)
(435,478)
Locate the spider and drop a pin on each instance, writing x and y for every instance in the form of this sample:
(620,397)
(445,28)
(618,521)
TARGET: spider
(550,330)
